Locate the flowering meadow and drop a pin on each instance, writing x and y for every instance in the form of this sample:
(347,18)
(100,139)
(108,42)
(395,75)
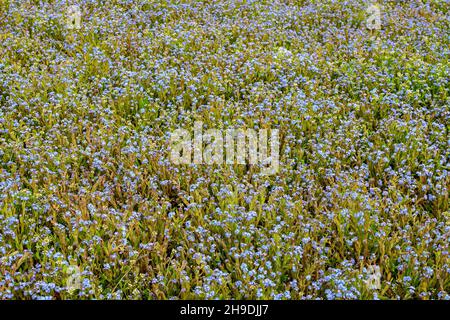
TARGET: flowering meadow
(92,207)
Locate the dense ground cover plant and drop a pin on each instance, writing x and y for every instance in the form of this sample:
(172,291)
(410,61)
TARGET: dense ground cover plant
(86,180)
